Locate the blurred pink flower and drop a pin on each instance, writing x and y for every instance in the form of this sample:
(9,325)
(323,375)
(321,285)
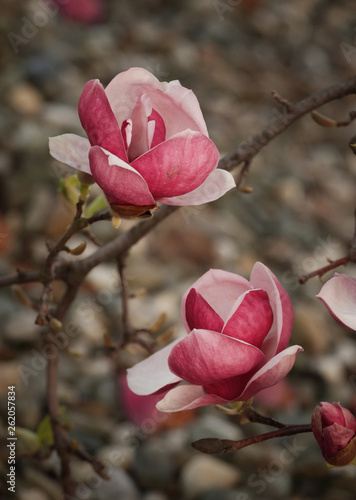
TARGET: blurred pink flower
(334,428)
(140,409)
(339,296)
(236,343)
(83,11)
(147,142)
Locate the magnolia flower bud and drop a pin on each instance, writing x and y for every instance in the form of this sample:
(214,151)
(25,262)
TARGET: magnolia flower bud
(334,428)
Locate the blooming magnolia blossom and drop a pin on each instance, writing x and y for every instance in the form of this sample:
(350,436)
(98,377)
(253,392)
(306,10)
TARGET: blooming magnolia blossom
(339,296)
(334,428)
(238,331)
(147,143)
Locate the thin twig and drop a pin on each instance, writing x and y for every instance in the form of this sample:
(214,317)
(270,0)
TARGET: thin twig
(127,327)
(343,261)
(248,149)
(52,390)
(323,270)
(215,446)
(20,277)
(282,100)
(254,416)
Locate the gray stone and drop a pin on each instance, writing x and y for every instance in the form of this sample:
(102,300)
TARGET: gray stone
(202,473)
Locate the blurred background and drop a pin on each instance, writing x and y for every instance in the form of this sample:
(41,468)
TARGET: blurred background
(233,54)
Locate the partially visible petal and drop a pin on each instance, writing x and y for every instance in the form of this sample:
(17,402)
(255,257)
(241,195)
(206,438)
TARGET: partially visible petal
(339,296)
(137,408)
(72,150)
(220,289)
(279,335)
(178,165)
(200,314)
(336,438)
(317,427)
(158,131)
(188,102)
(215,185)
(335,413)
(121,183)
(204,357)
(187,397)
(271,373)
(177,105)
(139,117)
(251,318)
(98,120)
(173,106)
(124,90)
(153,373)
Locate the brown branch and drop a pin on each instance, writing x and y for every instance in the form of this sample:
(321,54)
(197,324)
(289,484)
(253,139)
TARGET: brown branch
(254,416)
(323,270)
(120,245)
(20,277)
(343,261)
(59,434)
(214,445)
(247,150)
(127,327)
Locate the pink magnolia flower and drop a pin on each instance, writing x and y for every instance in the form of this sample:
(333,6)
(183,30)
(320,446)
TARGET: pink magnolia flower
(82,11)
(339,296)
(147,143)
(334,428)
(236,343)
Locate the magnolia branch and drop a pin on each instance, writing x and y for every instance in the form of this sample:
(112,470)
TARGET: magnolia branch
(343,261)
(214,446)
(248,149)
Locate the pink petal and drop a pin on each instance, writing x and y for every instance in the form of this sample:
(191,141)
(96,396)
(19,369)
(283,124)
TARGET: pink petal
(173,106)
(200,314)
(220,289)
(271,373)
(139,409)
(187,397)
(335,413)
(178,165)
(139,117)
(72,150)
(98,120)
(204,357)
(215,185)
(121,184)
(188,102)
(177,105)
(279,335)
(159,129)
(339,296)
(336,438)
(251,318)
(125,89)
(153,373)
